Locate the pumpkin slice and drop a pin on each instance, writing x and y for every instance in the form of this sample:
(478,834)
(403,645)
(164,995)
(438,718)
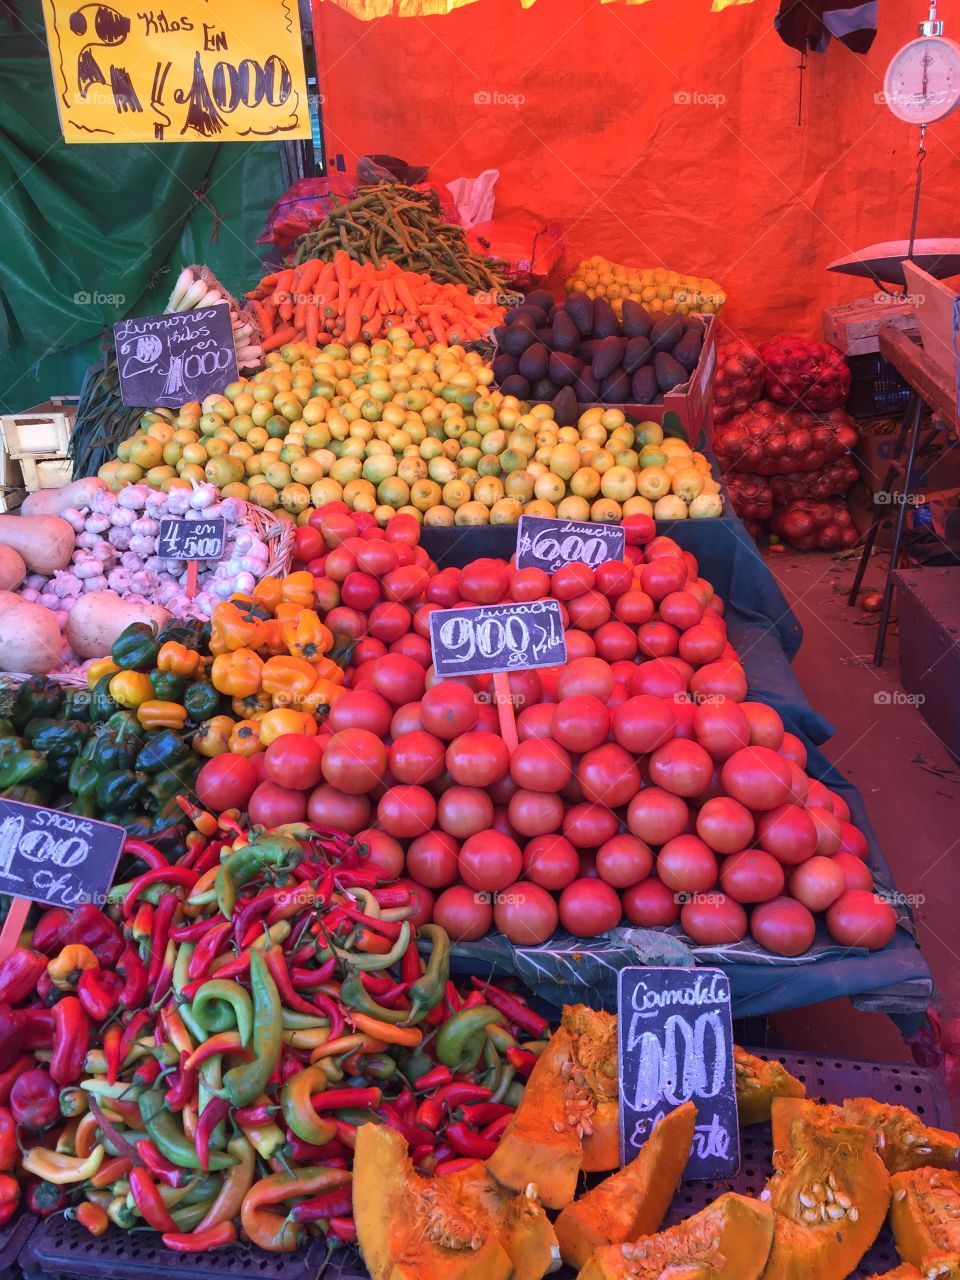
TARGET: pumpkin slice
(410,1227)
(925,1217)
(907,1142)
(759,1081)
(729,1240)
(829,1186)
(594,1035)
(632,1202)
(900,1273)
(519,1221)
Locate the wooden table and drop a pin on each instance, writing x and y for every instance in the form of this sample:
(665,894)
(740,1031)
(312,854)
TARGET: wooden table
(931,386)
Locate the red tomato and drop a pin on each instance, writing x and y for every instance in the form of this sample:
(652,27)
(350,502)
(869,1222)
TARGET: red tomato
(405,555)
(857,874)
(389,621)
(586,677)
(294,760)
(525,914)
(784,926)
(476,759)
(624,861)
(335,524)
(406,811)
(828,829)
(384,853)
(817,883)
(488,718)
(799,784)
(580,723)
(852,840)
(308,544)
(272,806)
(535,722)
(702,643)
(529,584)
(501,790)
(861,919)
(406,719)
(720,725)
(793,749)
(579,645)
(227,782)
(346,622)
(614,577)
(766,725)
(681,609)
(587,826)
(539,764)
(608,775)
(416,756)
(535,813)
(725,825)
(327,593)
(367,649)
(719,679)
(589,611)
(841,809)
(818,796)
(449,709)
(354,761)
(657,816)
(339,565)
(571,580)
(659,678)
(757,777)
(332,808)
(680,767)
(687,865)
(657,639)
(432,859)
(616,642)
(485,581)
(651,904)
(463,811)
(662,575)
(712,919)
(643,723)
(550,861)
(415,647)
(359,709)
(406,584)
(526,689)
(490,860)
(463,913)
(788,832)
(634,607)
(639,529)
(359,590)
(444,588)
(589,907)
(752,876)
(398,678)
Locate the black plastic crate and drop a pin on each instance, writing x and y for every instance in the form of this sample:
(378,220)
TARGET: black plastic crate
(876,387)
(13,1238)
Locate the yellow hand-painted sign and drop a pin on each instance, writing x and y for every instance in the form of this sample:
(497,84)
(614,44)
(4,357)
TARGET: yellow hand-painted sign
(204,71)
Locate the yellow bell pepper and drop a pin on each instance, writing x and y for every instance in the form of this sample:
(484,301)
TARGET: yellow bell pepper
(237,674)
(161,715)
(267,593)
(307,637)
(130,688)
(272,631)
(288,612)
(59,1169)
(328,670)
(245,738)
(232,629)
(251,707)
(213,736)
(178,659)
(322,696)
(288,679)
(285,720)
(97,670)
(65,968)
(297,588)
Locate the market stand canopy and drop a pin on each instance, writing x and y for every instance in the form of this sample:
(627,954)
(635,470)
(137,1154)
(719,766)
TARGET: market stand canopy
(367,9)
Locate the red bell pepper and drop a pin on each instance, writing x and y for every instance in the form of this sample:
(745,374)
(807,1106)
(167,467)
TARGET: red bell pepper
(89,925)
(71,1040)
(45,1198)
(98,991)
(9,1152)
(19,973)
(49,933)
(9,1197)
(12,1074)
(35,1100)
(36,1028)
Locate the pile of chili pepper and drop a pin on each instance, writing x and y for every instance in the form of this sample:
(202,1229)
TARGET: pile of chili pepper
(197,1057)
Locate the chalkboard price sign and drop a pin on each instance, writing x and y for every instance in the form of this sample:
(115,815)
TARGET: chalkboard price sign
(186,355)
(56,858)
(676,1045)
(549,544)
(197,539)
(497,637)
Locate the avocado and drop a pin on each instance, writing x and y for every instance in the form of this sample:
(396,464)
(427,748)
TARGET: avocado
(533,362)
(588,349)
(643,385)
(607,357)
(687,350)
(695,322)
(517,386)
(539,298)
(605,322)
(564,368)
(566,411)
(586,388)
(536,315)
(637,353)
(543,389)
(637,322)
(666,332)
(566,335)
(545,335)
(615,389)
(499,333)
(580,310)
(670,373)
(503,367)
(518,337)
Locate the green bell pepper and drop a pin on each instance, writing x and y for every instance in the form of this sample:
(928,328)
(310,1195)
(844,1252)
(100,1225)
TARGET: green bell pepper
(120,789)
(36,697)
(102,702)
(136,648)
(114,748)
(201,700)
(6,729)
(57,735)
(22,766)
(83,777)
(168,686)
(59,764)
(164,750)
(186,631)
(76,704)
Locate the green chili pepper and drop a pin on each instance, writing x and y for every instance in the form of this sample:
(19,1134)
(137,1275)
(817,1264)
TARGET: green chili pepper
(371,962)
(505,1089)
(167,1134)
(248,861)
(220,1005)
(462,1037)
(427,992)
(136,647)
(163,750)
(243,1083)
(293,1021)
(36,697)
(298,1110)
(355,996)
(201,700)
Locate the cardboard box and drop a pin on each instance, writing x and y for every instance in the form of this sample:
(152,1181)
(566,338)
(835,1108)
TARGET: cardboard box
(854,327)
(929,610)
(937,468)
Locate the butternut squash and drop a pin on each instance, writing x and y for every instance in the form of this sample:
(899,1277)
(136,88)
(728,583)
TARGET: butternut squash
(46,543)
(12,569)
(30,640)
(50,502)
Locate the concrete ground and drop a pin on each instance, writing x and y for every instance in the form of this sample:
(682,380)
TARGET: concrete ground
(909,781)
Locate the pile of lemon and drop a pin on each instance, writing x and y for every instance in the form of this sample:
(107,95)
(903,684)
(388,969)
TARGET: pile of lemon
(658,289)
(392,427)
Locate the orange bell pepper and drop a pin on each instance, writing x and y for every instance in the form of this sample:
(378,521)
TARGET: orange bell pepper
(287,611)
(288,679)
(64,969)
(232,629)
(213,736)
(322,696)
(327,669)
(238,673)
(245,738)
(267,593)
(178,659)
(307,637)
(297,588)
(156,714)
(272,631)
(285,720)
(251,707)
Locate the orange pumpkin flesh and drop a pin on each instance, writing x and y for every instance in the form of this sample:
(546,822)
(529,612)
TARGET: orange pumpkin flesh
(830,1192)
(519,1221)
(759,1081)
(632,1202)
(595,1046)
(729,1240)
(900,1273)
(925,1219)
(907,1142)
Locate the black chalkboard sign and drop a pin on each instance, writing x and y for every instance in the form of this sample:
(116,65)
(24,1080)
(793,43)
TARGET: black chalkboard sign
(57,858)
(170,359)
(201,538)
(548,544)
(676,1045)
(497,637)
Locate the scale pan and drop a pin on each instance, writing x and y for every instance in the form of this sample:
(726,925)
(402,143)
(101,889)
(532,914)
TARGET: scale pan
(938,256)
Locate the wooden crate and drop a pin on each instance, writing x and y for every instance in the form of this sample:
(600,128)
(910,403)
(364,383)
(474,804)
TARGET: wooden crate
(854,327)
(43,430)
(46,473)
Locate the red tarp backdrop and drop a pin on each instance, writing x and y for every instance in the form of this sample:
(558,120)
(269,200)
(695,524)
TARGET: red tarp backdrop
(658,134)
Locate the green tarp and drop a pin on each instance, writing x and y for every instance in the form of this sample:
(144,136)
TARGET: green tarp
(90,234)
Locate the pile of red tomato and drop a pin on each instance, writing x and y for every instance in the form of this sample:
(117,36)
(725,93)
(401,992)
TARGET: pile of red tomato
(646,789)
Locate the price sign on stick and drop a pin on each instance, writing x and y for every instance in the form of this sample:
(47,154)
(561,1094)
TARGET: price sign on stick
(676,1045)
(169,359)
(197,539)
(549,544)
(52,857)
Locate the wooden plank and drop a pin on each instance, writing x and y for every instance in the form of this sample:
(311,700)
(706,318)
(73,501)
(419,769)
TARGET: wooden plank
(935,386)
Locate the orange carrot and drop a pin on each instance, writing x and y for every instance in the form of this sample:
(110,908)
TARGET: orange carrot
(286,310)
(372,327)
(405,298)
(436,324)
(313,325)
(351,320)
(389,295)
(287,333)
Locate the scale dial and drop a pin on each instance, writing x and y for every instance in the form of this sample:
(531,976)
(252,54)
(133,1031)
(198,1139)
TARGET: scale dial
(922,83)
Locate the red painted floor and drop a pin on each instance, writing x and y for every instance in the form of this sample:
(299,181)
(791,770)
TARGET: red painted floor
(909,781)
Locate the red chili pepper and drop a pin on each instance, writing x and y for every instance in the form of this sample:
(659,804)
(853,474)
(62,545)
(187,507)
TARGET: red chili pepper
(184,1086)
(233,828)
(145,852)
(347,1133)
(332,1204)
(377,983)
(207,858)
(9,1151)
(440,1075)
(473,1001)
(462,1091)
(451,998)
(442,1153)
(134,974)
(250,910)
(184,877)
(160,936)
(71,1040)
(341,1099)
(215,1237)
(146,1073)
(344,1229)
(9,1077)
(164,980)
(290,902)
(140,928)
(357,877)
(194,930)
(393,896)
(208,948)
(323,1006)
(311,978)
(468,1143)
(296,1149)
(221,1042)
(112,1039)
(149,1203)
(446,1167)
(256,1114)
(49,931)
(430,1114)
(415,1137)
(494,1130)
(170,1174)
(479,1114)
(405,1104)
(217,1109)
(522,1060)
(386,928)
(99,991)
(131,1032)
(236,968)
(513,1009)
(19,973)
(196,843)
